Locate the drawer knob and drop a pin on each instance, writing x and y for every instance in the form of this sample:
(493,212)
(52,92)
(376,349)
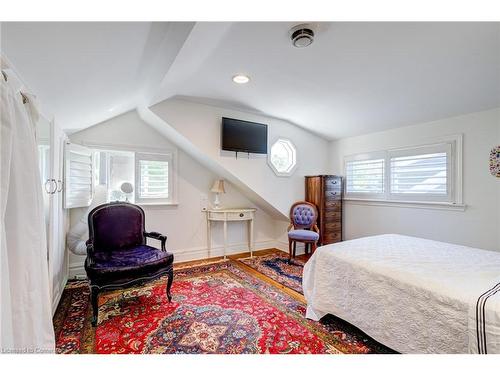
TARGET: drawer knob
(241,215)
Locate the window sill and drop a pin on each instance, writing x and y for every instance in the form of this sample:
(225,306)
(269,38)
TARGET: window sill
(407,204)
(157,204)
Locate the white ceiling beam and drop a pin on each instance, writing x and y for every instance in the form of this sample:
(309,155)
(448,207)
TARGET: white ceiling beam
(164,43)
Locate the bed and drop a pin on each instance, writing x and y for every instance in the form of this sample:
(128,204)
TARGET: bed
(410,294)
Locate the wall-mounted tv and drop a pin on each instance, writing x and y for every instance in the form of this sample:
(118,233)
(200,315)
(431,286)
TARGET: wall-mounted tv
(243,136)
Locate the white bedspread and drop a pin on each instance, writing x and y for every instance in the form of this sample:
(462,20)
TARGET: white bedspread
(410,294)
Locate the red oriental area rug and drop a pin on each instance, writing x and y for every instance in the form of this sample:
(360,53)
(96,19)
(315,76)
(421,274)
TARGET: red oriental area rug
(216,308)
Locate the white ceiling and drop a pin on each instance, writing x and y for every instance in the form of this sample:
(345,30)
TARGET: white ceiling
(355,78)
(87,72)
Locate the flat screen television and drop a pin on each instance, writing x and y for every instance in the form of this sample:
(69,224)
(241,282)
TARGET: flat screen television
(243,136)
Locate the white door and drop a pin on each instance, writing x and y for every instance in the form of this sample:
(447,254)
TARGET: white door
(45,165)
(58,259)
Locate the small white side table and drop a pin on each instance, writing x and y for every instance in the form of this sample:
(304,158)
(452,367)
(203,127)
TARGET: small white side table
(231,214)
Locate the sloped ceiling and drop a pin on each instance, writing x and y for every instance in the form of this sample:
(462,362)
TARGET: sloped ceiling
(88,72)
(355,78)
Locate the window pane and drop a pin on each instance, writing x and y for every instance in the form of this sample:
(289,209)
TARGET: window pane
(419,174)
(283,156)
(365,176)
(153,179)
(121,169)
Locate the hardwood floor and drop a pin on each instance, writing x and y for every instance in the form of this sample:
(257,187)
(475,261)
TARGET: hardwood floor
(303,257)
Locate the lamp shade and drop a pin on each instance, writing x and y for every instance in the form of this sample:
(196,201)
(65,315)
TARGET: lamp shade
(127,188)
(218,187)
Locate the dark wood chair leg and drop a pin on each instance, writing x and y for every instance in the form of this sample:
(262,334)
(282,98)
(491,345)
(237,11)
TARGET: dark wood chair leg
(289,249)
(169,284)
(294,248)
(94,294)
(314,247)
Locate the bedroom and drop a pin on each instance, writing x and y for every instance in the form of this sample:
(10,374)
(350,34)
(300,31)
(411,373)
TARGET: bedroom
(289,187)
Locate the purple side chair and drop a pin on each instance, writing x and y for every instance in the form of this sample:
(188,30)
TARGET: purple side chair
(117,254)
(303,217)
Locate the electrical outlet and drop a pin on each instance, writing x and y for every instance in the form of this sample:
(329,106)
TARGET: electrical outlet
(204,202)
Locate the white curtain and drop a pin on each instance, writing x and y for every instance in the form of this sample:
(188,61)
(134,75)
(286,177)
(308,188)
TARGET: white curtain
(26,313)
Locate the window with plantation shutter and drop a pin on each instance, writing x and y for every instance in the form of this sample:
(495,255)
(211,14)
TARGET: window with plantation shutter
(429,173)
(421,173)
(153,176)
(365,176)
(153,179)
(78,176)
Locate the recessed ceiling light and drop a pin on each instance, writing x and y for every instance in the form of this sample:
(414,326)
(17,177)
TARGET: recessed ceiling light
(241,78)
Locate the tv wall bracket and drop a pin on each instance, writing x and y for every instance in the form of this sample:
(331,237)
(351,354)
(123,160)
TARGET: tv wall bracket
(248,154)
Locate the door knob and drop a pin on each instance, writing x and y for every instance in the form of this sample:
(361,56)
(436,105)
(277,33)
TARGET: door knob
(52,180)
(48,186)
(59,186)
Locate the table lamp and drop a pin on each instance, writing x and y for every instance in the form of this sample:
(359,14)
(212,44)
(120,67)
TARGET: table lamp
(217,188)
(127,188)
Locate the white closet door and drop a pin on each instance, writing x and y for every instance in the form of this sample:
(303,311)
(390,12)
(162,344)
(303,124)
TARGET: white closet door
(58,259)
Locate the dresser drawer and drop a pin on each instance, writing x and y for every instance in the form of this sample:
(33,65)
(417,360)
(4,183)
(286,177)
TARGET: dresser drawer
(333,205)
(333,184)
(231,216)
(333,226)
(332,215)
(331,238)
(333,195)
(239,216)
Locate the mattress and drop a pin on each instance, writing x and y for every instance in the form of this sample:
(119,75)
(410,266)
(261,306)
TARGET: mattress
(410,294)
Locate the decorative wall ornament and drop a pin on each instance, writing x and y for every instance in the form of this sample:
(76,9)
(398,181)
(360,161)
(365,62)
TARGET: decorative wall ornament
(495,161)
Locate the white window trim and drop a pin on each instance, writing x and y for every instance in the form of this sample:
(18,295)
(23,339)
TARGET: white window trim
(270,163)
(172,201)
(455,179)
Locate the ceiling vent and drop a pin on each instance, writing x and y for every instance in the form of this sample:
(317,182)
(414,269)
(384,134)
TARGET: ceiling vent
(301,35)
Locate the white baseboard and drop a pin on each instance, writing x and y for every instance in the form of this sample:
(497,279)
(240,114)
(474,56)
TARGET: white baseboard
(55,301)
(76,270)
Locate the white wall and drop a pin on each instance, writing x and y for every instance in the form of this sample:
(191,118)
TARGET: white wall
(201,123)
(477,226)
(185,224)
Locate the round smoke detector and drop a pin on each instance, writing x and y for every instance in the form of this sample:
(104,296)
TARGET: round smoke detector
(301,35)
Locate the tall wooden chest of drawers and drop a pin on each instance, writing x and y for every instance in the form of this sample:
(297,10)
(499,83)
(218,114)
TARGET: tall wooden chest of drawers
(325,191)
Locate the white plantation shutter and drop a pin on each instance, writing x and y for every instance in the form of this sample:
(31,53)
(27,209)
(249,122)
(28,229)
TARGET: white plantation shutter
(154,177)
(421,173)
(431,173)
(78,176)
(365,177)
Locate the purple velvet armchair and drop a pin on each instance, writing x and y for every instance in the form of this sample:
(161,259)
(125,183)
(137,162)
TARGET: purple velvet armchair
(303,228)
(117,254)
